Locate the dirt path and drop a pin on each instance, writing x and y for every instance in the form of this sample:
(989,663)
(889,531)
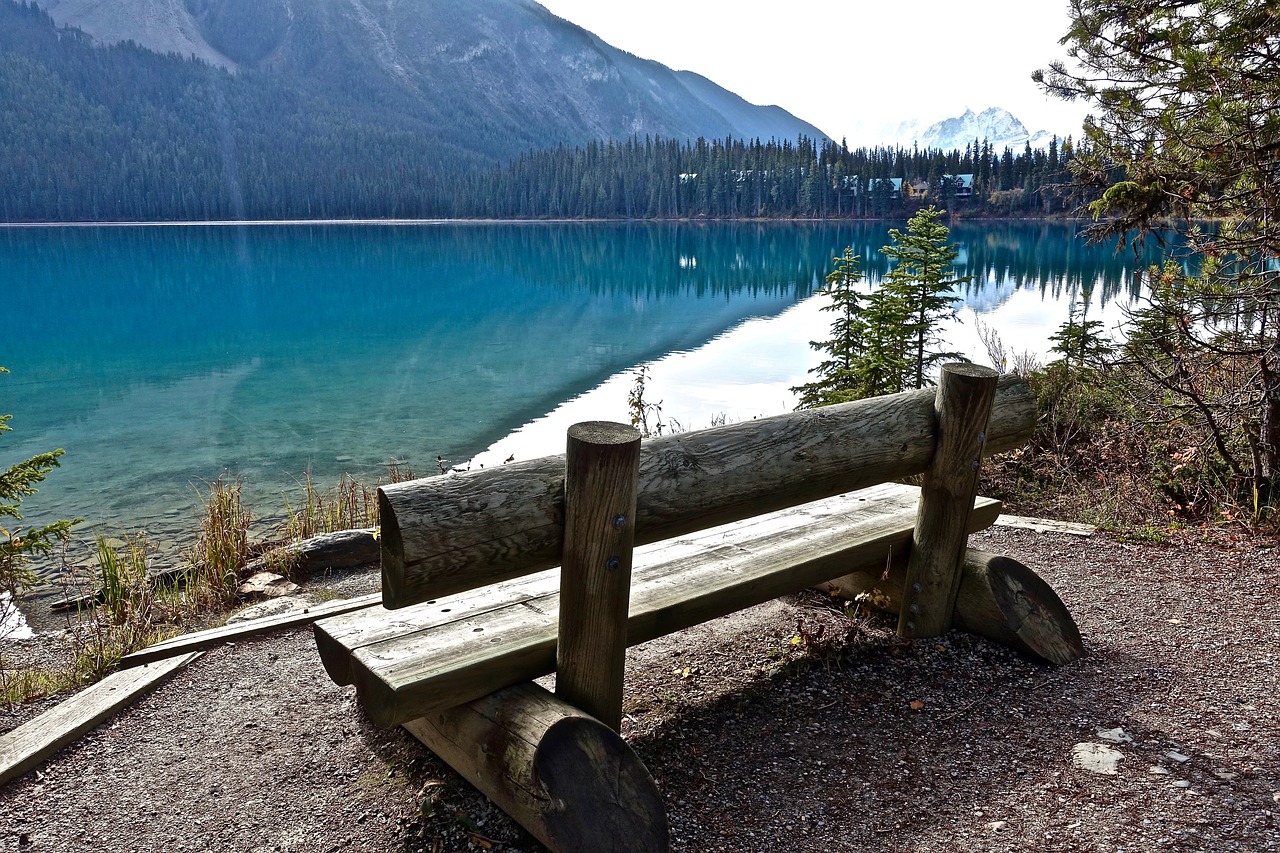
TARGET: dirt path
(757,743)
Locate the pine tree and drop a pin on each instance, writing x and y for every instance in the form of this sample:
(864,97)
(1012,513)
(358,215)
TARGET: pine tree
(1184,131)
(923,279)
(835,382)
(17,545)
(883,366)
(868,342)
(1082,343)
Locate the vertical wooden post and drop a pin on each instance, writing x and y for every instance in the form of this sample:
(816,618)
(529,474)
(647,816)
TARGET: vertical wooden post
(962,407)
(602,466)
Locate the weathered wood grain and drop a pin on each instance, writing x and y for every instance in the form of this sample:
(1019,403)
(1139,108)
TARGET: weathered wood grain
(337,636)
(601,466)
(27,746)
(197,640)
(452,651)
(343,549)
(564,776)
(962,406)
(446,534)
(1003,600)
(1047,525)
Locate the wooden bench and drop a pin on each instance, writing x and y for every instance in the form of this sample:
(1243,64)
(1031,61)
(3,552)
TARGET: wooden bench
(499,576)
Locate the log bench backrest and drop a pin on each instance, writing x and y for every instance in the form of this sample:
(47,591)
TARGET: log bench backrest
(447,534)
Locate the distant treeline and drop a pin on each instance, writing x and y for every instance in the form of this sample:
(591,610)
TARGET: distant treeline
(120,133)
(735,179)
(91,133)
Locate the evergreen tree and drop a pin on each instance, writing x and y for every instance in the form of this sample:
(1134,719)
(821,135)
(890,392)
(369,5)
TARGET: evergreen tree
(1081,342)
(16,544)
(836,381)
(868,345)
(882,367)
(923,280)
(1185,129)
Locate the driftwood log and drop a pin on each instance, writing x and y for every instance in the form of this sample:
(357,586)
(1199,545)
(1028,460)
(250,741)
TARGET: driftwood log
(564,776)
(999,598)
(345,549)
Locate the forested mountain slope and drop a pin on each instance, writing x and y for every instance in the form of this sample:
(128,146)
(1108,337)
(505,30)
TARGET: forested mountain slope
(328,108)
(91,133)
(497,76)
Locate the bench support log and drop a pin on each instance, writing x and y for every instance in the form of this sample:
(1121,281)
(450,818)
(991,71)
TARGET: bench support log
(962,407)
(999,598)
(601,466)
(564,776)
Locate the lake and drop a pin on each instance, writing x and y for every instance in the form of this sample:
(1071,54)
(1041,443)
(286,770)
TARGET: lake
(163,357)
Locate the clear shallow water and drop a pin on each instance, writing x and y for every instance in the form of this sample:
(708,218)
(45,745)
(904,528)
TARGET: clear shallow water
(163,357)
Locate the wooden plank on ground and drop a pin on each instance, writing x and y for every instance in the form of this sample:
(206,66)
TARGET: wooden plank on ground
(456,649)
(1046,525)
(198,640)
(27,746)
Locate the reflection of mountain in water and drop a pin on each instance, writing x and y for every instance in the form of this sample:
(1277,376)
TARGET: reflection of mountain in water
(984,297)
(175,354)
(364,343)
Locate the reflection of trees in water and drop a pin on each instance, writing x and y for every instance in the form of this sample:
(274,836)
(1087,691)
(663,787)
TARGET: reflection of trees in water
(651,260)
(1045,257)
(191,293)
(211,266)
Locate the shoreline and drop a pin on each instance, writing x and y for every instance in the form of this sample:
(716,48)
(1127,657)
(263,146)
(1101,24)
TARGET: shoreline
(697,386)
(225,223)
(693,387)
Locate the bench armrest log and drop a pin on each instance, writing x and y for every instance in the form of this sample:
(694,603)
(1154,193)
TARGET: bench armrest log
(962,408)
(447,534)
(595,578)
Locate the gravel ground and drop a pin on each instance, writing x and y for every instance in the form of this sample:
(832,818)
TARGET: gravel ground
(858,741)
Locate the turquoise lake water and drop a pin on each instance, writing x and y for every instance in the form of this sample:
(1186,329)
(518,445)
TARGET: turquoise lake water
(163,357)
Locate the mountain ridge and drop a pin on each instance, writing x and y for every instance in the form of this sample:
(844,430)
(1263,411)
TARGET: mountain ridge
(516,76)
(993,124)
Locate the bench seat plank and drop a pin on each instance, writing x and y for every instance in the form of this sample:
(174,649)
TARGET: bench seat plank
(442,653)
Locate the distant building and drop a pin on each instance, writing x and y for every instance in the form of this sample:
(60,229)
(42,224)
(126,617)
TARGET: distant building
(961,184)
(891,186)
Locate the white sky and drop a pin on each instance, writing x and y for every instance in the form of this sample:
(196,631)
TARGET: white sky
(842,64)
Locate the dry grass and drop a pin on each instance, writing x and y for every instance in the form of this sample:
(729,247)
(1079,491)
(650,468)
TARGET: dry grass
(349,505)
(135,611)
(1099,457)
(221,548)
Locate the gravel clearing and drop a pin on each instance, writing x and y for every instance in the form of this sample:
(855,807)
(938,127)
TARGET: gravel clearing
(848,740)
